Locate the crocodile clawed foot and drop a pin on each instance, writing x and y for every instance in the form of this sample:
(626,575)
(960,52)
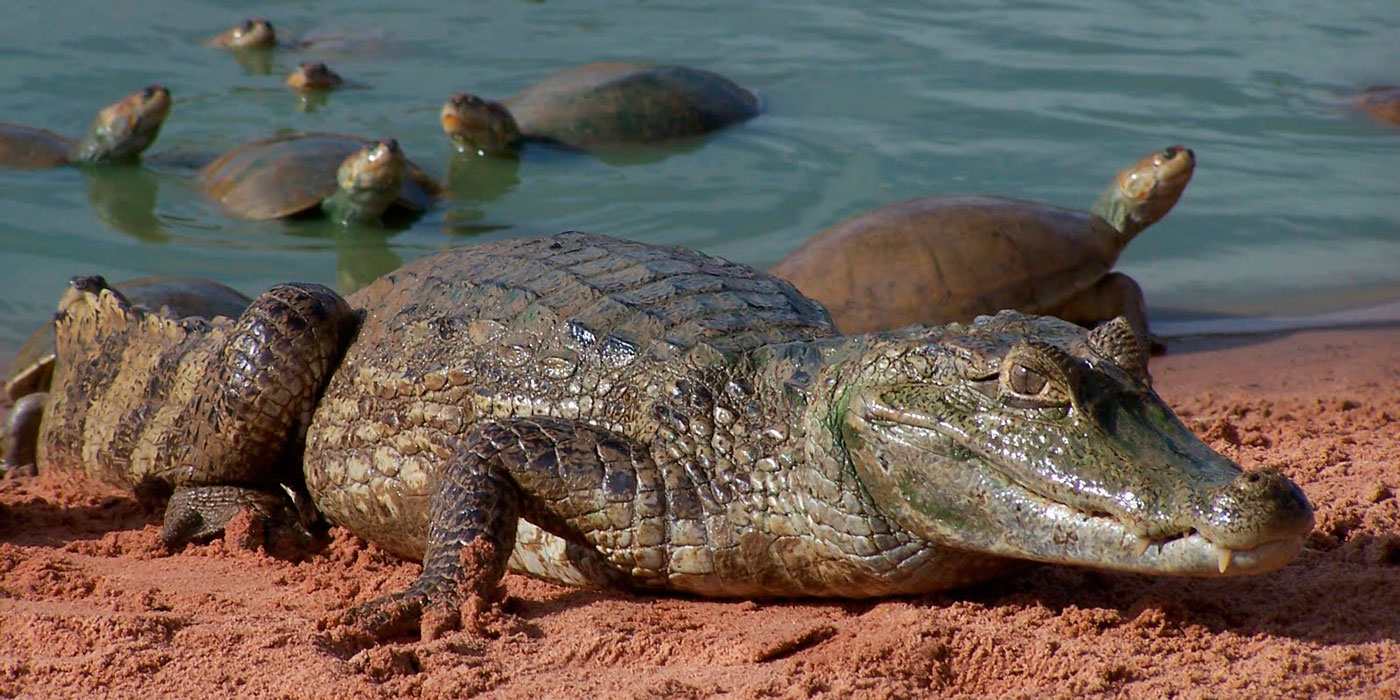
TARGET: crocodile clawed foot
(434,615)
(201,512)
(385,617)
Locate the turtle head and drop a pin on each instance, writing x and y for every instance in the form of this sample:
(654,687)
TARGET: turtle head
(313,76)
(125,128)
(1028,437)
(479,126)
(251,33)
(370,180)
(1145,191)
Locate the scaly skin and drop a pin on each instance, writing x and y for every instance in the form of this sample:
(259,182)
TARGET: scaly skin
(209,413)
(607,413)
(600,104)
(31,370)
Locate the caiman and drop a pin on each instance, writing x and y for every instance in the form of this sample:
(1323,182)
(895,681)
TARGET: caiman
(607,413)
(204,415)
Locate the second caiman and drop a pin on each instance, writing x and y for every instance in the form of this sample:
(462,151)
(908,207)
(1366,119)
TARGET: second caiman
(608,413)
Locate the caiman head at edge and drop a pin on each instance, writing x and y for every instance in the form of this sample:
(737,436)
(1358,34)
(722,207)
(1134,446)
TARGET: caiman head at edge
(1029,437)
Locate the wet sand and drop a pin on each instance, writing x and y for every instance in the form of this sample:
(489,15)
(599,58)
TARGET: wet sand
(90,605)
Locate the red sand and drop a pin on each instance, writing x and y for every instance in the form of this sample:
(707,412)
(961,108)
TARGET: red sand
(91,606)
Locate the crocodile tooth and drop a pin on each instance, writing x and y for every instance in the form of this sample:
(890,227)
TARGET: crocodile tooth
(1140,548)
(1225,555)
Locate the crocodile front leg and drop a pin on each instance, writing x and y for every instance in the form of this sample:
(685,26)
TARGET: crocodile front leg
(556,474)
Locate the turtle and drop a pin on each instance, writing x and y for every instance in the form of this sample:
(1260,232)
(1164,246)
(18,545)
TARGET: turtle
(32,367)
(251,33)
(1381,102)
(313,75)
(256,35)
(121,131)
(942,259)
(347,178)
(600,104)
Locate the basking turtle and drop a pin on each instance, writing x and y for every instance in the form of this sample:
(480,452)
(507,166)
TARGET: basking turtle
(32,368)
(313,76)
(1381,102)
(348,179)
(251,33)
(600,104)
(121,131)
(940,259)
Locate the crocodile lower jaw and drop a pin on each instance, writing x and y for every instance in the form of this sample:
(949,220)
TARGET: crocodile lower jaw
(1101,542)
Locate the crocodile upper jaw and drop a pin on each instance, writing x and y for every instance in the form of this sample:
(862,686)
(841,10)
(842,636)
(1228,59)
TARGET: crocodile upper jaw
(969,503)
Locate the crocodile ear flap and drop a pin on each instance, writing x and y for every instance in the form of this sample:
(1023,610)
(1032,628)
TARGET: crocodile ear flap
(1117,341)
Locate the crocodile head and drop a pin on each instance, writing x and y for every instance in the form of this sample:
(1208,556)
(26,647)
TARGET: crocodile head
(1031,438)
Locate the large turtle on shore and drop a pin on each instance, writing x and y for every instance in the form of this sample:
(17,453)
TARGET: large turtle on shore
(31,369)
(121,131)
(600,104)
(346,178)
(1381,102)
(940,259)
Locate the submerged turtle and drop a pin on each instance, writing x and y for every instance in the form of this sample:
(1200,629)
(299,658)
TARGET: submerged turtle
(1381,102)
(313,76)
(32,368)
(600,104)
(346,178)
(251,33)
(121,131)
(940,259)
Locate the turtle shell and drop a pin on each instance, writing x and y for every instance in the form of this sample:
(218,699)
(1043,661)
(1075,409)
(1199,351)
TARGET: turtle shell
(285,175)
(30,148)
(612,103)
(951,258)
(32,367)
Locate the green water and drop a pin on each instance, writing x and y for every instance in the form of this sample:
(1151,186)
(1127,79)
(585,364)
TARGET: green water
(1293,207)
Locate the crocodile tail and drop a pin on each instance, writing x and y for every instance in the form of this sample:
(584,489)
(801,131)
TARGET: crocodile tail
(272,368)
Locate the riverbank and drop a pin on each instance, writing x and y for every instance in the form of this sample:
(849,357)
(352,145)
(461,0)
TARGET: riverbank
(91,606)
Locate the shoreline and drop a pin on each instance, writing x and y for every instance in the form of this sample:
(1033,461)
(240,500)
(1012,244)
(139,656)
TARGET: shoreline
(90,604)
(1371,316)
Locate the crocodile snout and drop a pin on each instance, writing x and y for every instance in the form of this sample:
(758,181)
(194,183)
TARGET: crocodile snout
(1257,507)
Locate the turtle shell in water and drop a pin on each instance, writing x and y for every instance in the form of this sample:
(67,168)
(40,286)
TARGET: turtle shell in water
(120,132)
(940,259)
(290,174)
(600,104)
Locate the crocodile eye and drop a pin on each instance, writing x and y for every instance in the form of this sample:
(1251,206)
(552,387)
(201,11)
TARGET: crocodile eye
(1026,381)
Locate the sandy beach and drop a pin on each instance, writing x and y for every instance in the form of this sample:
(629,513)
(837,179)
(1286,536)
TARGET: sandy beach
(91,606)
